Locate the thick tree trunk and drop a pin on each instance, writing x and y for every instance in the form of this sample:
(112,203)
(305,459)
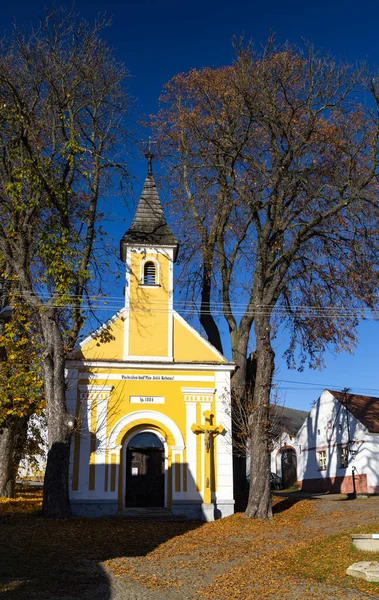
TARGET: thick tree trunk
(206,318)
(7,469)
(259,504)
(12,443)
(60,426)
(239,386)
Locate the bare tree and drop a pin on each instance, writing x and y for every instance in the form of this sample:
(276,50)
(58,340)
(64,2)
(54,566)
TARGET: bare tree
(276,157)
(62,137)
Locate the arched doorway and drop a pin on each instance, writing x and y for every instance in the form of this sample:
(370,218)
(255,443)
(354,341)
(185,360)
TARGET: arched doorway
(289,467)
(145,468)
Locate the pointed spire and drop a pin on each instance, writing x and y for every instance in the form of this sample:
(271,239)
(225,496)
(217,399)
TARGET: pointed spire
(149,227)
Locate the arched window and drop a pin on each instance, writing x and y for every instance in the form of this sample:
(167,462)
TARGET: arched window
(146,440)
(149,273)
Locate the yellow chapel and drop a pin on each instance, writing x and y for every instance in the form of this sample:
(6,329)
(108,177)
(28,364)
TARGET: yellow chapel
(150,394)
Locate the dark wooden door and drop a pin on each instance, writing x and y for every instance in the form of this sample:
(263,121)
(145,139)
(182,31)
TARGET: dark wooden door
(144,477)
(289,470)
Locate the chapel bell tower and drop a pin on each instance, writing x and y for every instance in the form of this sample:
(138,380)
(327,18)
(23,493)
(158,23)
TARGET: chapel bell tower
(149,249)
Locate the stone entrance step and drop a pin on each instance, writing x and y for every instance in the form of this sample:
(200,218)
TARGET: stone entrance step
(150,513)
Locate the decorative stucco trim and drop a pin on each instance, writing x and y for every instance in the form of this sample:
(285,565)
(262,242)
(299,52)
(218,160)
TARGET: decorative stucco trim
(157,272)
(90,387)
(189,391)
(145,415)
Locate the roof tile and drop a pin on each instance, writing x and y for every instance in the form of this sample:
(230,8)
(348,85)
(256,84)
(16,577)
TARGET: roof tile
(364,408)
(149,225)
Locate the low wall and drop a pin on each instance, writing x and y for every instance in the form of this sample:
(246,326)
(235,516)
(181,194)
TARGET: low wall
(336,485)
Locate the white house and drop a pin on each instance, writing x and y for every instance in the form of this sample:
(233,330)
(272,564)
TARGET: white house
(337,447)
(285,423)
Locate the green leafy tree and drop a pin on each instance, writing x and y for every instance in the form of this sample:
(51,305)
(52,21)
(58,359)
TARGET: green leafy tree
(62,135)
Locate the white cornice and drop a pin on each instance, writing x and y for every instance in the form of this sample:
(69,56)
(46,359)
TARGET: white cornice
(91,387)
(75,364)
(191,391)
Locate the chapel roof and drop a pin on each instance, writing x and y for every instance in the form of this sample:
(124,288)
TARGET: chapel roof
(286,419)
(364,408)
(149,226)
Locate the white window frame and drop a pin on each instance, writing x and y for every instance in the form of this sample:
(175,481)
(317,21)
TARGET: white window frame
(344,457)
(321,460)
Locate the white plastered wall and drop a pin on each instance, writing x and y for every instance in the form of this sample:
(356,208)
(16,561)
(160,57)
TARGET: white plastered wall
(224,499)
(326,429)
(284,441)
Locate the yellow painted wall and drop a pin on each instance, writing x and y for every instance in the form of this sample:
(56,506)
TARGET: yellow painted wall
(148,325)
(119,404)
(174,405)
(107,345)
(188,346)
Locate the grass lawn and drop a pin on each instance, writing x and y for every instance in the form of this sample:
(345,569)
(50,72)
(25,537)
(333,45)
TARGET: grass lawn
(303,552)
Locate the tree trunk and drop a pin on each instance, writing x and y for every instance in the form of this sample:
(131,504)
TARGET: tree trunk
(7,470)
(21,435)
(259,504)
(12,441)
(56,503)
(206,318)
(239,385)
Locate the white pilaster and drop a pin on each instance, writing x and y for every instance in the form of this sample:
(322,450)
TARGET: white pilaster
(93,398)
(102,399)
(224,459)
(170,312)
(71,378)
(127,302)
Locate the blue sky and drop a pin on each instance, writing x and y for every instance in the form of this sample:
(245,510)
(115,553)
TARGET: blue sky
(159,38)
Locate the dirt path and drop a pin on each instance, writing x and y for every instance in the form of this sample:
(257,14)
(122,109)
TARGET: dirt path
(240,561)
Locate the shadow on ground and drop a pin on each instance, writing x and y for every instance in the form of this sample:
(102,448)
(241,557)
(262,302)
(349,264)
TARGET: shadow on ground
(41,558)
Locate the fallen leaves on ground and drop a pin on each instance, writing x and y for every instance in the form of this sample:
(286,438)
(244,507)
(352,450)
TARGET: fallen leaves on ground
(28,500)
(290,557)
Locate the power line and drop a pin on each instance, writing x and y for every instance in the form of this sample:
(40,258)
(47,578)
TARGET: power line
(113,303)
(214,304)
(325,385)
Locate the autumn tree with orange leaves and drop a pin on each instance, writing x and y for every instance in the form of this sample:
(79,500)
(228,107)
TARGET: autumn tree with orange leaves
(273,170)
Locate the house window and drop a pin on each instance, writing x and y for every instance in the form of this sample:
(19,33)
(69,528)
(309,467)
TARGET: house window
(344,457)
(149,273)
(321,458)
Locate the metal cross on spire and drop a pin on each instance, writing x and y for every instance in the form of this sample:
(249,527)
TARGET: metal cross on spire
(149,155)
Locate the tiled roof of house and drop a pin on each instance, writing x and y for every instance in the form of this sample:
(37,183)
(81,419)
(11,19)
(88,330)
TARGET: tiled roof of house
(364,408)
(286,419)
(149,225)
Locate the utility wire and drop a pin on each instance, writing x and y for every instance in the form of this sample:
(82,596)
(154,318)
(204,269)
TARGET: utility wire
(324,385)
(113,303)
